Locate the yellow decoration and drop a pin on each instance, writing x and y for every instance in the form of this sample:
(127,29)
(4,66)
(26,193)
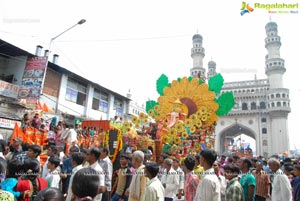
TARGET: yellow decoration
(142,115)
(126,125)
(193,129)
(188,122)
(204,118)
(151,113)
(179,126)
(185,135)
(193,117)
(198,94)
(177,140)
(203,109)
(199,123)
(134,119)
(173,131)
(199,114)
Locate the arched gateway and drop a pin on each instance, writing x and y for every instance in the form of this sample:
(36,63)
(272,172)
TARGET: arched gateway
(230,132)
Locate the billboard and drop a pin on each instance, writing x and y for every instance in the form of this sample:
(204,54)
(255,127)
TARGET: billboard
(32,80)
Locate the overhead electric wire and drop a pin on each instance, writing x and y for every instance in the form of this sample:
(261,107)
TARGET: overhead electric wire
(126,39)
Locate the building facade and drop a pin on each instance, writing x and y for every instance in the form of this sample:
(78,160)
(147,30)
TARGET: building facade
(261,105)
(67,94)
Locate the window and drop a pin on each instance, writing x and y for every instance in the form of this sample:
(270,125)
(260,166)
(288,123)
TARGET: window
(253,106)
(262,105)
(264,131)
(278,104)
(244,106)
(76,92)
(118,107)
(277,95)
(272,95)
(100,101)
(284,103)
(283,95)
(264,120)
(273,104)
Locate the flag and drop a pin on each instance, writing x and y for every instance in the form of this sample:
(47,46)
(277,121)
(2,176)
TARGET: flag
(17,133)
(46,108)
(38,105)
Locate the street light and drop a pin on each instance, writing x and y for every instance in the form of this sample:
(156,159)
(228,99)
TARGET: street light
(49,49)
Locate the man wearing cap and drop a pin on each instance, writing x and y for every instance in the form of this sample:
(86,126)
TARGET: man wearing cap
(18,153)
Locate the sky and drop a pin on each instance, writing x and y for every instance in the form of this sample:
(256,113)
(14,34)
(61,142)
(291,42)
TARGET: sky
(127,45)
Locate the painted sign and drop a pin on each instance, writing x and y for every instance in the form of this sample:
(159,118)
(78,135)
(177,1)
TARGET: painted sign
(8,123)
(32,80)
(8,89)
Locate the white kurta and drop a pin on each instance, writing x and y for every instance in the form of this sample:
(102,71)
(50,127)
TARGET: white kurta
(96,166)
(209,188)
(154,190)
(281,187)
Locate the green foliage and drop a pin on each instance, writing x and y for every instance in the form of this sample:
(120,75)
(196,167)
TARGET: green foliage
(226,103)
(161,83)
(201,81)
(150,105)
(216,83)
(179,79)
(190,78)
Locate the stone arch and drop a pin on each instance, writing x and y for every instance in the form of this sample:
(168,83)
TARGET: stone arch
(234,130)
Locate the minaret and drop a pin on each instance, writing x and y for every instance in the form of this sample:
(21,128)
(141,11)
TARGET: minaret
(128,94)
(211,69)
(198,54)
(277,96)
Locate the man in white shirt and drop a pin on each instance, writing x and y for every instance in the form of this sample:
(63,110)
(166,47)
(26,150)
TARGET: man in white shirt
(71,136)
(181,177)
(53,177)
(107,167)
(154,189)
(281,186)
(93,157)
(51,151)
(77,159)
(209,187)
(170,180)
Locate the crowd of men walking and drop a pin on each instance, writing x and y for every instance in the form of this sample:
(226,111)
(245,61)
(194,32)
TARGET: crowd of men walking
(77,173)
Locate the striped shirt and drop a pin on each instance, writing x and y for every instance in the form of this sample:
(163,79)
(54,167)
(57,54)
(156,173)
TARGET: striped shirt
(234,191)
(262,183)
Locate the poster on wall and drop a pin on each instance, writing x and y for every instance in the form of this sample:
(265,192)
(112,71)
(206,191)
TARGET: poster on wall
(32,80)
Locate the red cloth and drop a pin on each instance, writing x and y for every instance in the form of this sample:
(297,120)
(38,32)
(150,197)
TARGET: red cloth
(24,185)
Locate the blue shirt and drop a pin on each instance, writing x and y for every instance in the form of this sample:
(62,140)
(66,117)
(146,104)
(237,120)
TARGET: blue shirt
(296,188)
(67,168)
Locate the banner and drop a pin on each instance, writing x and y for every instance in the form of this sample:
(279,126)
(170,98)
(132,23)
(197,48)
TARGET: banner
(8,123)
(32,80)
(8,89)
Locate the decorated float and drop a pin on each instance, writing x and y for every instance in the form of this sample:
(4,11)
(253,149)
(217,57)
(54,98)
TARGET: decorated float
(186,113)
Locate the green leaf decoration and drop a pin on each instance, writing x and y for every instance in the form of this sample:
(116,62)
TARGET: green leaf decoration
(150,105)
(161,83)
(201,81)
(226,103)
(190,78)
(179,79)
(216,83)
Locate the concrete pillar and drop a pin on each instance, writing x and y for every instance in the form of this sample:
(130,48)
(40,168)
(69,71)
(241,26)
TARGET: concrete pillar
(62,91)
(111,109)
(89,100)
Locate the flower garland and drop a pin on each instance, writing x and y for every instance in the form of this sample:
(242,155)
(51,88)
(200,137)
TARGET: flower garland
(118,147)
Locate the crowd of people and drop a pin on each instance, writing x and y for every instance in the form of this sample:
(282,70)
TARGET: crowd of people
(76,172)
